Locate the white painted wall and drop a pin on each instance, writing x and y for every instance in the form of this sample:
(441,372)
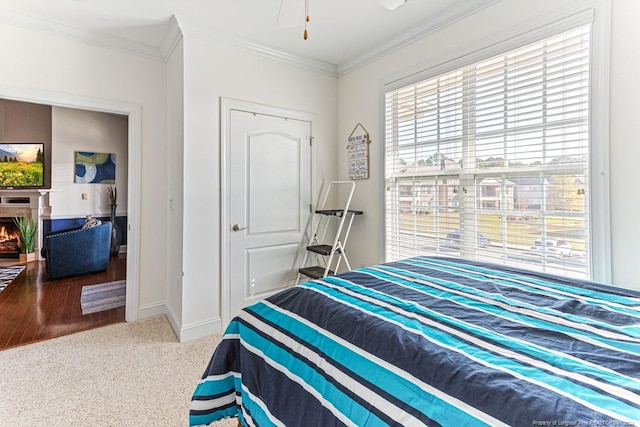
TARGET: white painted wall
(625,148)
(212,72)
(80,130)
(175,170)
(36,63)
(359,101)
(181,136)
(179,106)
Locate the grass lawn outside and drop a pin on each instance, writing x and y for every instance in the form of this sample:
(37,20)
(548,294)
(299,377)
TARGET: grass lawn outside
(519,231)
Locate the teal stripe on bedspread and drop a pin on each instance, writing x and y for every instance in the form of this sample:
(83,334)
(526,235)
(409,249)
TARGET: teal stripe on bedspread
(558,318)
(430,341)
(366,366)
(557,359)
(606,298)
(492,303)
(527,371)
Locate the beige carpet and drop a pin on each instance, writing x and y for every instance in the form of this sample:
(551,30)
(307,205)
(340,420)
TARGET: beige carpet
(129,374)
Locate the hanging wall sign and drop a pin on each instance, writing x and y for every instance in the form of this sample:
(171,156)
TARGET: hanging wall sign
(358,153)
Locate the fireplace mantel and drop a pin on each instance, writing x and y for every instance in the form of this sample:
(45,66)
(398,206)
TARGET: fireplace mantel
(27,202)
(25,191)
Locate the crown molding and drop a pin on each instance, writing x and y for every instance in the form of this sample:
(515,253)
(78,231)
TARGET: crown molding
(30,22)
(171,38)
(173,35)
(221,39)
(545,25)
(447,17)
(178,26)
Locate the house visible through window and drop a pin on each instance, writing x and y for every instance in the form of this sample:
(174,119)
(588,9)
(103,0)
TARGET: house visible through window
(490,161)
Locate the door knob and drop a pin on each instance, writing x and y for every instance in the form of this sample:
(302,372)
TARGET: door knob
(236,227)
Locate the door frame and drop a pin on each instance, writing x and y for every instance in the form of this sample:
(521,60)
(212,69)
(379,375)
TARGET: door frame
(226,106)
(134,150)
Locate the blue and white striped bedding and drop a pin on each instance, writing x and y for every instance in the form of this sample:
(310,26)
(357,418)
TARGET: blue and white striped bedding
(430,341)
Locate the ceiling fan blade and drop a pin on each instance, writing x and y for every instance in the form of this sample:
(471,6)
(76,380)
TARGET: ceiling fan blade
(290,14)
(392,4)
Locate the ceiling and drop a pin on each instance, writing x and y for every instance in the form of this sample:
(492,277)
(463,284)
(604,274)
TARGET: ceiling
(339,30)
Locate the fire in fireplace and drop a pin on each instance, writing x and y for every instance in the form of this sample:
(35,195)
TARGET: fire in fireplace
(9,239)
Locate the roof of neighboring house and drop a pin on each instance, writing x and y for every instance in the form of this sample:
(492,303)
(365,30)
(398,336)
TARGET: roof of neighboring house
(446,164)
(497,181)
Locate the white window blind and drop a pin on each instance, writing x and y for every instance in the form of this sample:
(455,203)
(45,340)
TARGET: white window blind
(490,161)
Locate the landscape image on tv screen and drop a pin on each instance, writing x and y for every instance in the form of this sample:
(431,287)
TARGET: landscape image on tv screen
(21,165)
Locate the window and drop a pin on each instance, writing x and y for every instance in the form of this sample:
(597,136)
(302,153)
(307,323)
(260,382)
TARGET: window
(491,161)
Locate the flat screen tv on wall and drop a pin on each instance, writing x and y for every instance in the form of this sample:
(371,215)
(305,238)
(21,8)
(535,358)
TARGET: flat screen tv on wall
(21,165)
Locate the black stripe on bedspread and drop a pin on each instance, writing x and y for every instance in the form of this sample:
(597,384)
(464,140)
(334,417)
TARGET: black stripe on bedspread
(537,362)
(533,288)
(287,399)
(444,305)
(344,388)
(428,340)
(451,372)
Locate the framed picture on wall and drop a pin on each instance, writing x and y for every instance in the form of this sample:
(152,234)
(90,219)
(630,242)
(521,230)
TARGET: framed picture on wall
(95,168)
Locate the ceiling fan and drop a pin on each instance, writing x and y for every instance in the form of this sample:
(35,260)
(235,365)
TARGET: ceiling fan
(292,10)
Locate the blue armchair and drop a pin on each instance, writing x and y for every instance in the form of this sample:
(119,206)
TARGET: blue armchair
(77,251)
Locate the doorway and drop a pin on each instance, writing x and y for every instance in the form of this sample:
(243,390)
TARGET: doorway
(134,136)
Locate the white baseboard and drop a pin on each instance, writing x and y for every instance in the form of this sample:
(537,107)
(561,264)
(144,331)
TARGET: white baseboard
(183,332)
(174,320)
(200,329)
(194,330)
(151,310)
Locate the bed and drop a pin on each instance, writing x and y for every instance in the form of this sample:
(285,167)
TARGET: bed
(430,341)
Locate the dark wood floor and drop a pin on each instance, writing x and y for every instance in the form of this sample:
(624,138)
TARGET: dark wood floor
(34,308)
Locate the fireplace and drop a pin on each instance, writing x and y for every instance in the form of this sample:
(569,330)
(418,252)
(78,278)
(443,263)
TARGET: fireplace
(32,204)
(9,239)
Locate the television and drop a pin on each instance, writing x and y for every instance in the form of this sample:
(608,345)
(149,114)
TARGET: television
(21,165)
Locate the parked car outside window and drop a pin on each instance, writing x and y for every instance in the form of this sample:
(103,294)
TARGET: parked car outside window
(552,247)
(453,238)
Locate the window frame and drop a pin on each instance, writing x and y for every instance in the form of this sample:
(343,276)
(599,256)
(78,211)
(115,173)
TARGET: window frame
(596,13)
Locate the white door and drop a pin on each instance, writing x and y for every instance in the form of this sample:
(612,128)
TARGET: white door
(269,184)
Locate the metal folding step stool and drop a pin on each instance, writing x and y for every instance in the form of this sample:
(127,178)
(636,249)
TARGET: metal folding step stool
(328,253)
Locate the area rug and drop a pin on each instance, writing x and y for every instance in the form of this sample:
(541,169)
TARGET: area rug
(7,274)
(104,296)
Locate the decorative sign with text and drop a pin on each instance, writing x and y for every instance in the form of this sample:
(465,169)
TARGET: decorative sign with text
(358,153)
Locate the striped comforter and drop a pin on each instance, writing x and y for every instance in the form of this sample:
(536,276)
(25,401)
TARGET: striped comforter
(430,341)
